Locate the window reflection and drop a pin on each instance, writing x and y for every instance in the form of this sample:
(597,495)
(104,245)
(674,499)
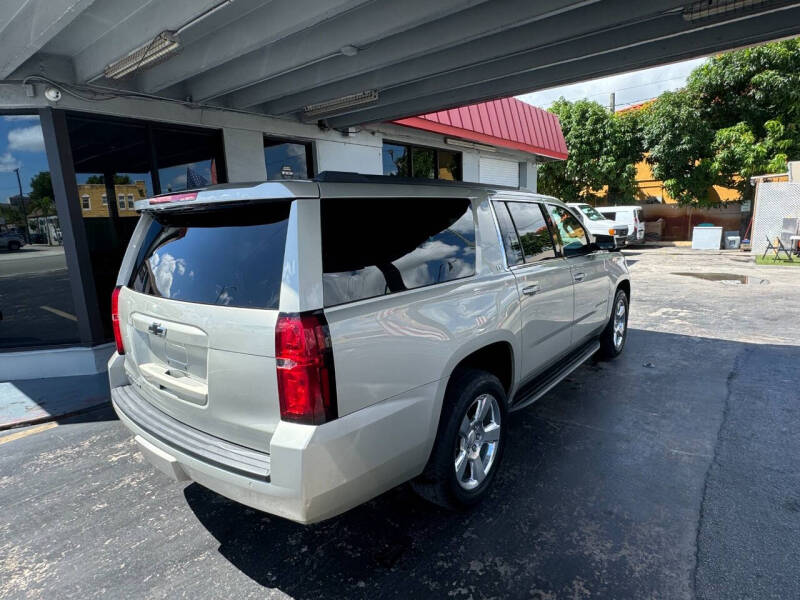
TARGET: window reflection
(371,249)
(534,235)
(403,160)
(573,236)
(287,159)
(35,293)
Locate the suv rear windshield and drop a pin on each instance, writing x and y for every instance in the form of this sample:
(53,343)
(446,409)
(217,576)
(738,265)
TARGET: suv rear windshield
(372,247)
(228,256)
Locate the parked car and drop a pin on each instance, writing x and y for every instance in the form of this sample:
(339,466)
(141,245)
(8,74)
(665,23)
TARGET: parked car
(598,224)
(11,240)
(630,216)
(303,346)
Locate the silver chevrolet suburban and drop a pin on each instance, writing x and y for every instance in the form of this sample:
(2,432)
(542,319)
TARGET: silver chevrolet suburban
(303,346)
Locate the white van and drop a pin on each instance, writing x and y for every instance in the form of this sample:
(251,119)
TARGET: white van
(630,215)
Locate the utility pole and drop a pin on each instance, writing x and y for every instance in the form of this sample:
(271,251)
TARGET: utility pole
(24,209)
(612,103)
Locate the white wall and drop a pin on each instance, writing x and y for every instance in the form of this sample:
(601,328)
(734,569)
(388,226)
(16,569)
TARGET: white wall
(356,156)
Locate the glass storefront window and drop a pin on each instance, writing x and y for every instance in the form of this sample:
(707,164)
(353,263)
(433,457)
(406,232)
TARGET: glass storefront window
(36,301)
(114,159)
(287,159)
(187,158)
(401,160)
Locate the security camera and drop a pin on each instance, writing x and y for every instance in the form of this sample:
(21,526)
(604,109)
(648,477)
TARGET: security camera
(52,94)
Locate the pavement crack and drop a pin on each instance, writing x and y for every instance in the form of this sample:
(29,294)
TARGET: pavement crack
(737,361)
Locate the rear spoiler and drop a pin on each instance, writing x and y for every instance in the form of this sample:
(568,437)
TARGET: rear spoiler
(240,192)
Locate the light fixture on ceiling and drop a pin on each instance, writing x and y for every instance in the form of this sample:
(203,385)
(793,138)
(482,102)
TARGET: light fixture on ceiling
(471,145)
(349,50)
(710,8)
(338,104)
(156,50)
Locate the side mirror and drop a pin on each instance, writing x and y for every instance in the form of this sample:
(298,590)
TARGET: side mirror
(605,242)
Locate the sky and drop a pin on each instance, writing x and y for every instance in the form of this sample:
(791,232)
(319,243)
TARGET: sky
(630,88)
(22,146)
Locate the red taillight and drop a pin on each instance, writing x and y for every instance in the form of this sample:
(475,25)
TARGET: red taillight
(304,359)
(115,319)
(174,198)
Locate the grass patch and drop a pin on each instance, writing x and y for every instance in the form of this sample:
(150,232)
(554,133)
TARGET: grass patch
(771,260)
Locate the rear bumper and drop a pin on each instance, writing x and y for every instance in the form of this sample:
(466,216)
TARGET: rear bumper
(311,473)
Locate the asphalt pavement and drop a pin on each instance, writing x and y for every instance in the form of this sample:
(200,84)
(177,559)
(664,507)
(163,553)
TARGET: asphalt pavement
(669,473)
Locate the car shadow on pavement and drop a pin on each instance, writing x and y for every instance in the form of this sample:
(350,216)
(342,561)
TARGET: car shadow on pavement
(604,488)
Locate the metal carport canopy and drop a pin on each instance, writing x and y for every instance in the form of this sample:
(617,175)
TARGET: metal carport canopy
(413,57)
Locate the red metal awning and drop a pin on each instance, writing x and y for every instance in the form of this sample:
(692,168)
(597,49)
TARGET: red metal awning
(507,123)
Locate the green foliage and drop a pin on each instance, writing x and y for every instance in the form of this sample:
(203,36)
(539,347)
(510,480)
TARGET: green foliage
(738,116)
(41,186)
(603,150)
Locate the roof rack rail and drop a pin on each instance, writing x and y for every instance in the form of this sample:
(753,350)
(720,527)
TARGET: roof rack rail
(352,177)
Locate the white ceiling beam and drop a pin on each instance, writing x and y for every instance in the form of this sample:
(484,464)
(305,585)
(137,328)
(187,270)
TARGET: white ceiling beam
(142,23)
(698,41)
(263,26)
(25,31)
(359,27)
(527,38)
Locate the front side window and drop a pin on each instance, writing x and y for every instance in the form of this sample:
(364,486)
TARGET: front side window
(573,236)
(375,247)
(222,256)
(534,234)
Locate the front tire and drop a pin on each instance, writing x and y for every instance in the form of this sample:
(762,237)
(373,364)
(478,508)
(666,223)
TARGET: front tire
(470,442)
(612,340)
(13,246)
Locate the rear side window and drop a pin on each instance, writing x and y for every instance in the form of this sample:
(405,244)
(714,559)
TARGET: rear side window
(609,214)
(509,235)
(373,247)
(231,256)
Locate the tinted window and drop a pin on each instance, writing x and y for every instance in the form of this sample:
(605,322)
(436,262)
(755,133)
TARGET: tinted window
(609,214)
(537,243)
(573,236)
(508,234)
(287,159)
(376,247)
(229,257)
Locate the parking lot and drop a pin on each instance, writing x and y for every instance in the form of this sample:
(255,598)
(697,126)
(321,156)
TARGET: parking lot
(669,473)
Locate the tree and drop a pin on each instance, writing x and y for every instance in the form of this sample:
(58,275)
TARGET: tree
(118,179)
(738,116)
(677,139)
(603,151)
(41,186)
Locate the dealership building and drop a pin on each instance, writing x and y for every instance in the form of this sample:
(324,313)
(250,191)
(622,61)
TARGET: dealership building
(99,157)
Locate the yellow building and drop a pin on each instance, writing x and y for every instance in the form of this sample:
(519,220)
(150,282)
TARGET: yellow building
(649,188)
(94,201)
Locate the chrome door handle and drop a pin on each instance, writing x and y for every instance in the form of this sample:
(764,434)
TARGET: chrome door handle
(531,289)
(578,277)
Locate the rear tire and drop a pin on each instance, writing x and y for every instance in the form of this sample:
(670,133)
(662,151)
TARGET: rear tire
(469,445)
(612,340)
(13,246)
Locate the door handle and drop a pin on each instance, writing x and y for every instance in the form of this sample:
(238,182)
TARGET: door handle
(531,289)
(578,277)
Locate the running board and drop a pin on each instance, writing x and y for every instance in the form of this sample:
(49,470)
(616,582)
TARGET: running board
(531,392)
